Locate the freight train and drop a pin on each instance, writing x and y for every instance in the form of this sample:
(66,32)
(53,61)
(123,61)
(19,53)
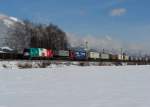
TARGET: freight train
(76,54)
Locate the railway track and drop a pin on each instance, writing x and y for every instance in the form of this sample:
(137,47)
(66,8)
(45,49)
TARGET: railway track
(82,62)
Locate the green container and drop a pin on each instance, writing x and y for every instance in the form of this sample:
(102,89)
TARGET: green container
(40,52)
(63,53)
(34,52)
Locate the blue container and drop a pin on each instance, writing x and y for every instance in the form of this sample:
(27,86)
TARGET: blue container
(80,55)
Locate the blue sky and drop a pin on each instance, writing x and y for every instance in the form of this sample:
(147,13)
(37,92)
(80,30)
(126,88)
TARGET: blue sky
(128,20)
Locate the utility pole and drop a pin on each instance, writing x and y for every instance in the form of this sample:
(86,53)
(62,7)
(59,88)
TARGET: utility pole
(103,50)
(86,45)
(121,53)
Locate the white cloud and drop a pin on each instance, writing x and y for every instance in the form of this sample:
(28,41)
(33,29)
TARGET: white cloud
(118,11)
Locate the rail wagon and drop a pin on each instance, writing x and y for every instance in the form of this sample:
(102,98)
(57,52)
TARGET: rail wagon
(40,50)
(133,58)
(93,55)
(8,53)
(80,54)
(120,57)
(31,52)
(45,53)
(61,54)
(126,58)
(49,53)
(104,56)
(37,53)
(113,57)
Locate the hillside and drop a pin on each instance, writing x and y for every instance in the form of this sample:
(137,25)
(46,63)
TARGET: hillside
(7,25)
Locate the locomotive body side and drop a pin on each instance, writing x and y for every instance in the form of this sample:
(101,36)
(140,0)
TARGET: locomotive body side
(37,53)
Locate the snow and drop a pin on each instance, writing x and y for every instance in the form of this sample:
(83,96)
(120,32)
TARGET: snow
(8,22)
(2,16)
(74,86)
(8,48)
(14,19)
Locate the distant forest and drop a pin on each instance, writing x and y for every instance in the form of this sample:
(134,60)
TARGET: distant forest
(29,34)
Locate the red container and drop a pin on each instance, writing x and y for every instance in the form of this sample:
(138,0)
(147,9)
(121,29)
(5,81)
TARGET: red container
(49,53)
(71,55)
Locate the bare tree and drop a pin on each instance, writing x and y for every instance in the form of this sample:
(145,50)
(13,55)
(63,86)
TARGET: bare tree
(19,36)
(34,35)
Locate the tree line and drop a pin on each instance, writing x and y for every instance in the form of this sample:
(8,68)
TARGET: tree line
(28,34)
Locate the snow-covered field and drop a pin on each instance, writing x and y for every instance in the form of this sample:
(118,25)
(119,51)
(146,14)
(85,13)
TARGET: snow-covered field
(73,86)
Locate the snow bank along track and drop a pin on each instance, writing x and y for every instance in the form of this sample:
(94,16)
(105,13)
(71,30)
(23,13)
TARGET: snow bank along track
(81,63)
